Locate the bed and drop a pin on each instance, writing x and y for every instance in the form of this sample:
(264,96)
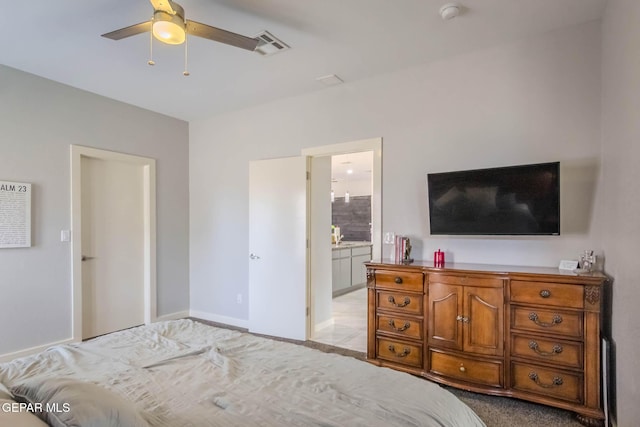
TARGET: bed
(184,373)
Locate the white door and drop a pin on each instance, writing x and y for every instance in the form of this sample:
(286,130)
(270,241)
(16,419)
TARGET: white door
(278,247)
(320,265)
(113,245)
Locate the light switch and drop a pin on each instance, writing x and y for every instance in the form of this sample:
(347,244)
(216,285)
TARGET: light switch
(65,235)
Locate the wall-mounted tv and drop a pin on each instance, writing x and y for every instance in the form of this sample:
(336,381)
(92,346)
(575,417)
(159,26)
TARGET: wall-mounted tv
(513,200)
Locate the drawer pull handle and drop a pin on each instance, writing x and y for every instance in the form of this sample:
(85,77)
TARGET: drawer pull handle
(557,349)
(545,293)
(406,302)
(406,326)
(462,369)
(554,321)
(405,351)
(557,381)
(398,280)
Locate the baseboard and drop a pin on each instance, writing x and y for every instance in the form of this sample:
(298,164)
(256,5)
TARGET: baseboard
(7,357)
(173,316)
(232,321)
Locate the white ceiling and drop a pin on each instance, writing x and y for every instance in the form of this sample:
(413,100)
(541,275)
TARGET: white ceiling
(354,39)
(360,164)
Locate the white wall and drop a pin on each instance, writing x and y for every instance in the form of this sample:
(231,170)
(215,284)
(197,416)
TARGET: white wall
(621,201)
(39,119)
(530,101)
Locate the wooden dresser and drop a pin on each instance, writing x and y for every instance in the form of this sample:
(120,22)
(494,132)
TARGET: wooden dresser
(526,332)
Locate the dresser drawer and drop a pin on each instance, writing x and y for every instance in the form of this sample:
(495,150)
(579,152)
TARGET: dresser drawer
(547,321)
(399,280)
(548,382)
(399,352)
(556,351)
(405,326)
(400,302)
(552,294)
(466,369)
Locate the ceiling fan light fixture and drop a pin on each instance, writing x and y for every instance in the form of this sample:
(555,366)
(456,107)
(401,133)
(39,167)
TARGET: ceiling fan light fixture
(169,28)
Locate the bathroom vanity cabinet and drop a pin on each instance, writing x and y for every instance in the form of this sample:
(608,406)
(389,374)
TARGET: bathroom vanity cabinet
(347,266)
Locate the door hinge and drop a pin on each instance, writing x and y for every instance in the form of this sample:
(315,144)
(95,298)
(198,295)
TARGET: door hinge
(307,311)
(308,175)
(307,243)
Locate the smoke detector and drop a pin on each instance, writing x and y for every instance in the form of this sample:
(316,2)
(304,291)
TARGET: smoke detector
(450,11)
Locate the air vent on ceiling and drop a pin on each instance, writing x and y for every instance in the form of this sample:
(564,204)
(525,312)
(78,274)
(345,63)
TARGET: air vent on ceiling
(330,80)
(269,44)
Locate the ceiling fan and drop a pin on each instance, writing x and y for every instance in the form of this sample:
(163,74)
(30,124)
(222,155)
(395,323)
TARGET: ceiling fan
(169,25)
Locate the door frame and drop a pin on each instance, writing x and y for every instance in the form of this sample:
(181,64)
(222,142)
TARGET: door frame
(371,144)
(77,152)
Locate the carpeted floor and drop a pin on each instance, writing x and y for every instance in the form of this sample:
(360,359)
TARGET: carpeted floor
(507,412)
(495,411)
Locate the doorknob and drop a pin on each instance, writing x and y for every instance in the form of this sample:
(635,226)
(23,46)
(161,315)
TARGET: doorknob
(254,256)
(86,258)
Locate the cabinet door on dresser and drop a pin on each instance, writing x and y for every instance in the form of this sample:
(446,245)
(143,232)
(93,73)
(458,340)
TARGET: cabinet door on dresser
(483,321)
(466,318)
(445,315)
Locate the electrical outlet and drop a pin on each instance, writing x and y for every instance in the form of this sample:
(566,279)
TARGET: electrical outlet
(239,298)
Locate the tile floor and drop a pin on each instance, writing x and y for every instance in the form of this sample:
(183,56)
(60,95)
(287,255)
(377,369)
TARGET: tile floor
(349,329)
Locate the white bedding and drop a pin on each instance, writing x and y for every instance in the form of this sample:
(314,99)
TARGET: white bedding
(183,373)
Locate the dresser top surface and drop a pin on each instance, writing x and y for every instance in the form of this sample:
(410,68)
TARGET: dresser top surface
(451,267)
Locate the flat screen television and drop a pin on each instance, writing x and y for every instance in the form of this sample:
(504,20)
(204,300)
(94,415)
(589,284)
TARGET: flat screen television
(514,200)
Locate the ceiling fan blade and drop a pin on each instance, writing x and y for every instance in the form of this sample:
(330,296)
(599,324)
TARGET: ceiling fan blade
(220,35)
(133,30)
(163,5)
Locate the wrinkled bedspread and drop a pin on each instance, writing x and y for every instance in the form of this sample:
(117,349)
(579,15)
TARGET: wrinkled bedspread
(184,373)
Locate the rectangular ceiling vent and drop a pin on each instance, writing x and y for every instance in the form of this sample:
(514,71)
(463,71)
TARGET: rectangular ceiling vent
(269,44)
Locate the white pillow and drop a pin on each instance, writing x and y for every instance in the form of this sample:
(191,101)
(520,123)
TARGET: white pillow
(11,416)
(65,402)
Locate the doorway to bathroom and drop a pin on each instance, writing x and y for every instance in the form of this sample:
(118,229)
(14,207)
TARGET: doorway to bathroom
(347,233)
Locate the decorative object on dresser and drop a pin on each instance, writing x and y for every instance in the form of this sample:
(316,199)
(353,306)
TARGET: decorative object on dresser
(402,247)
(438,259)
(533,333)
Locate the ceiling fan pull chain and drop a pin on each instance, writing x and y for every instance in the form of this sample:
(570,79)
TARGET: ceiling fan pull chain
(151,61)
(186,55)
